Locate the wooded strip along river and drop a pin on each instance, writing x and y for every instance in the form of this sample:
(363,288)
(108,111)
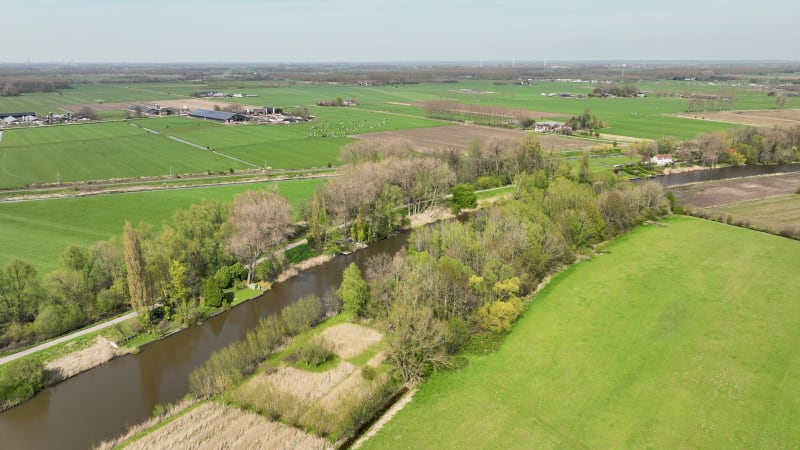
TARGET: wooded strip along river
(101,403)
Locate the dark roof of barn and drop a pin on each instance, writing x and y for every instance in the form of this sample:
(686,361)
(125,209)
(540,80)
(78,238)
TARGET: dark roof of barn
(3,115)
(216,115)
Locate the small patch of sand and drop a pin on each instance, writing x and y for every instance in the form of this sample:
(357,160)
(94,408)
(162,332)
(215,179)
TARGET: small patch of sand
(349,339)
(74,363)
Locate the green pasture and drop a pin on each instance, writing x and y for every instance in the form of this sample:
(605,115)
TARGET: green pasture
(39,231)
(97,152)
(94,93)
(682,336)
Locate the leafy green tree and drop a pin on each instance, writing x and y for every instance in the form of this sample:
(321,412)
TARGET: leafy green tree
(139,284)
(20,292)
(212,292)
(464,197)
(178,293)
(354,291)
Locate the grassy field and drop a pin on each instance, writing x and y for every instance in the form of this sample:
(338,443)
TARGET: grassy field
(103,151)
(39,231)
(96,152)
(682,336)
(44,103)
(775,213)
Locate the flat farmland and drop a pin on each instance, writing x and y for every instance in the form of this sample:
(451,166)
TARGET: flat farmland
(724,192)
(190,102)
(695,350)
(775,213)
(459,136)
(767,202)
(93,93)
(756,118)
(39,231)
(96,152)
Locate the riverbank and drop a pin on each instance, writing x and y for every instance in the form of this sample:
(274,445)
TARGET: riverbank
(132,344)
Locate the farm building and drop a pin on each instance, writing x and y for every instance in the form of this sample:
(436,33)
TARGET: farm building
(219,116)
(18,115)
(662,159)
(152,110)
(547,126)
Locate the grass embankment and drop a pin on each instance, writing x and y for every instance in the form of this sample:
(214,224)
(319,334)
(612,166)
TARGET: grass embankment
(677,336)
(39,231)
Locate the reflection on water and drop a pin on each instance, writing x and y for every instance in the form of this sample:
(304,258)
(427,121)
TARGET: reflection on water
(724,173)
(101,403)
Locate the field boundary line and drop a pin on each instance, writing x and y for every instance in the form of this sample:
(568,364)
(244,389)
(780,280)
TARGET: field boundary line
(385,418)
(183,141)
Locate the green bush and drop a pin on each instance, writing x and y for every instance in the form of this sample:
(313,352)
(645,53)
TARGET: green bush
(318,351)
(55,319)
(228,274)
(498,316)
(212,292)
(369,372)
(302,315)
(20,380)
(456,335)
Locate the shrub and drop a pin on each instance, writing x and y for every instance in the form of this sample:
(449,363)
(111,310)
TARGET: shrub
(55,319)
(316,352)
(212,292)
(498,316)
(369,373)
(456,335)
(302,315)
(20,380)
(228,274)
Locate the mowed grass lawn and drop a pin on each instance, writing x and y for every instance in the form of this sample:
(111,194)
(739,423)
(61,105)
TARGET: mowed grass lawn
(678,337)
(39,231)
(97,152)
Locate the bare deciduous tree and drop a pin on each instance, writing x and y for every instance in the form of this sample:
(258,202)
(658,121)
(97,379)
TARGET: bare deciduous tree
(261,220)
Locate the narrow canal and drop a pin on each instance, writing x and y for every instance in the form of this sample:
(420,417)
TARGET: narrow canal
(101,403)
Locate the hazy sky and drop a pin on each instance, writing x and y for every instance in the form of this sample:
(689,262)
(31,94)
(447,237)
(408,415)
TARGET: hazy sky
(401,30)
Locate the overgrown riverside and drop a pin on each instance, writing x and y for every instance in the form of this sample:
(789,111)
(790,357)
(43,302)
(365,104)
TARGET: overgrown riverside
(459,288)
(175,277)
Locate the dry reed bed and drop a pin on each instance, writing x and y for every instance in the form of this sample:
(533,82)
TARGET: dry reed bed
(308,385)
(217,426)
(295,269)
(352,386)
(350,340)
(76,362)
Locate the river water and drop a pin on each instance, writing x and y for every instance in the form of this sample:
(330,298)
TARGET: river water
(724,173)
(101,403)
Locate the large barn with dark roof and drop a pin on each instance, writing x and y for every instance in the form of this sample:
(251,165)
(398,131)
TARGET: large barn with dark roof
(219,116)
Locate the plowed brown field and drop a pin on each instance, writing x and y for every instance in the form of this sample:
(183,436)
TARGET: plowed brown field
(459,136)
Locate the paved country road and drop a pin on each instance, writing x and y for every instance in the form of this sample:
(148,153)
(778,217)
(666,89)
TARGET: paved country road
(48,344)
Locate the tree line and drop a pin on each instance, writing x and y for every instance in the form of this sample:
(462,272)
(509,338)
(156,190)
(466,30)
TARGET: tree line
(21,85)
(180,267)
(740,146)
